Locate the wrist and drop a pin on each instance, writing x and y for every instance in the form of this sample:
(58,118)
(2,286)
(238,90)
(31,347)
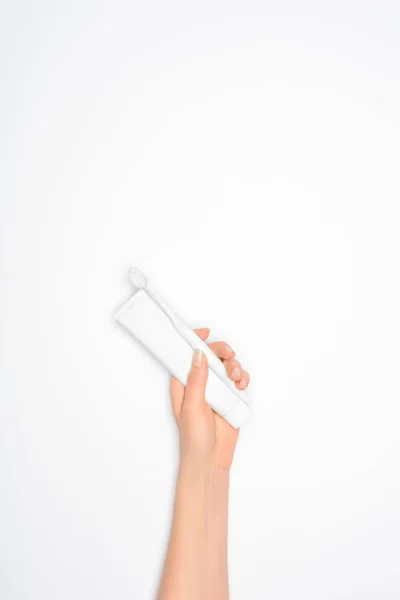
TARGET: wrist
(202,468)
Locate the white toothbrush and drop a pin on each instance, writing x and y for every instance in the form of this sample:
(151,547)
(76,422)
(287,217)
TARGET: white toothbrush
(140,281)
(149,318)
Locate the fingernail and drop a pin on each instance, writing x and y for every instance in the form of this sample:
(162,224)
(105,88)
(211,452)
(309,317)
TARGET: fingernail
(242,383)
(235,373)
(228,348)
(198,358)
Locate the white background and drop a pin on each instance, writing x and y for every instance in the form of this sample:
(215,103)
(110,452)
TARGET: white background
(245,155)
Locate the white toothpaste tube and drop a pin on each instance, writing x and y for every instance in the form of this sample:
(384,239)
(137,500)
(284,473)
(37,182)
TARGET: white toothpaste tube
(153,322)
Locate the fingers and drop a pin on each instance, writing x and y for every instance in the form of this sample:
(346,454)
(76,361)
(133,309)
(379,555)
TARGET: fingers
(203,332)
(222,350)
(194,394)
(232,366)
(237,373)
(243,381)
(177,389)
(197,379)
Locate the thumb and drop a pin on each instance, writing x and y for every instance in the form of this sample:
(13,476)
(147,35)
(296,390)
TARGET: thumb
(197,380)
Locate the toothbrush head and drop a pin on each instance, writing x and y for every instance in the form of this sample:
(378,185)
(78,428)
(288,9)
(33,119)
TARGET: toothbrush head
(137,278)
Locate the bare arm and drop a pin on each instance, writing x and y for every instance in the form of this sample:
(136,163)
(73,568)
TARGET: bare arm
(196,562)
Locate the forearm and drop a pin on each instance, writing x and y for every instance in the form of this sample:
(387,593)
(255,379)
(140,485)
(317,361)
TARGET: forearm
(216,568)
(184,570)
(196,562)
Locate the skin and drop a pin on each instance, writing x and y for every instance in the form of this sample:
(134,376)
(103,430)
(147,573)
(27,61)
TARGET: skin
(196,562)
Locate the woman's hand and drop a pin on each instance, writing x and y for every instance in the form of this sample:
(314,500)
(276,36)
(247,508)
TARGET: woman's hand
(205,437)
